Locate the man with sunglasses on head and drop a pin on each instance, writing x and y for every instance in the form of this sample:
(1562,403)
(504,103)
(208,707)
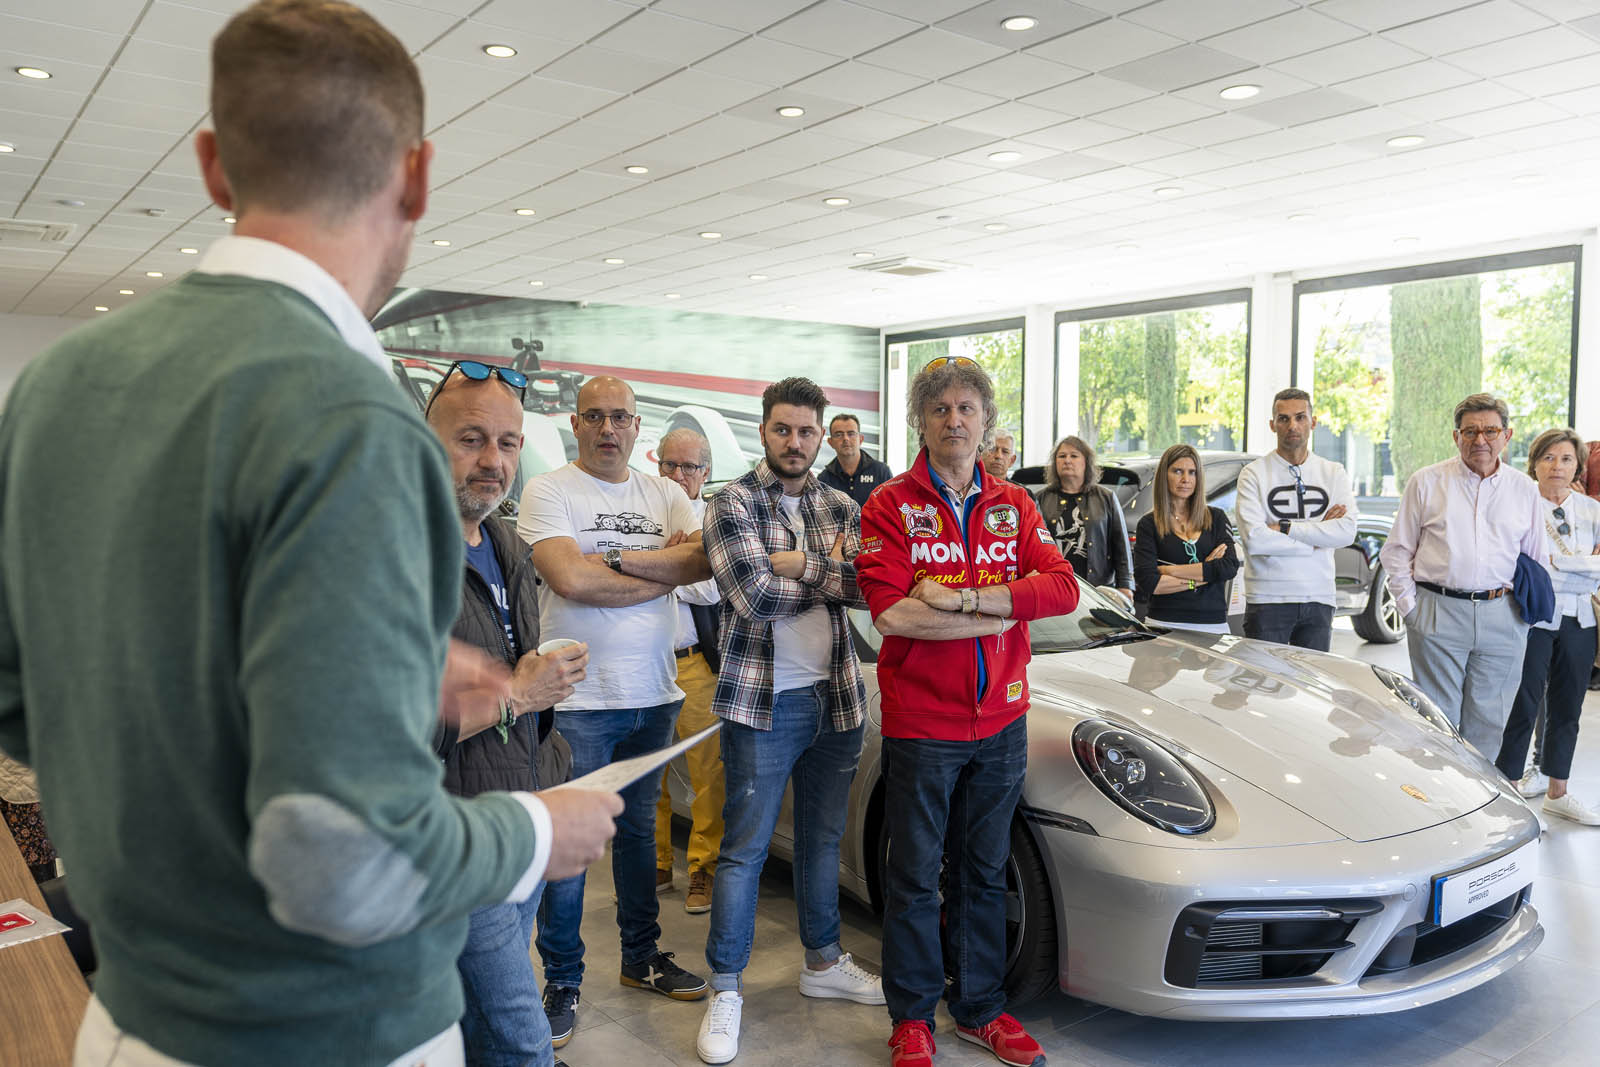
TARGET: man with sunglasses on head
(612,544)
(477,413)
(1449,561)
(1295,510)
(228,685)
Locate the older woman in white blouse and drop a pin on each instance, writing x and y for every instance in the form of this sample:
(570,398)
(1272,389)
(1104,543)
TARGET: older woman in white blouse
(1560,651)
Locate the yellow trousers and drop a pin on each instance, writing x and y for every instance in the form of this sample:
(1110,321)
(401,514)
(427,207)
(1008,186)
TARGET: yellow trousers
(705,773)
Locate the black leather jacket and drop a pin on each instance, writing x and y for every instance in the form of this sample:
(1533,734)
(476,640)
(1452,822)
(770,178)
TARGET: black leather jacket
(1105,557)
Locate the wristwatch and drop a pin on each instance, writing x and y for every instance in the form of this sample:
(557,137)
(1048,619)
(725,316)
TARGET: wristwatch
(613,558)
(1283,526)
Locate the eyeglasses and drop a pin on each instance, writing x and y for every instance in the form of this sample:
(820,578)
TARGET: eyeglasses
(957,361)
(668,467)
(1565,528)
(1490,434)
(1299,484)
(479,372)
(619,419)
(1191,550)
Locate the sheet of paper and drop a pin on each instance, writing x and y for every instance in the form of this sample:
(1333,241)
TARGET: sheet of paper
(623,773)
(21,921)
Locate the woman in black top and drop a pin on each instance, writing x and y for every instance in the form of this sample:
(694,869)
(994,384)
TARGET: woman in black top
(1183,554)
(1085,517)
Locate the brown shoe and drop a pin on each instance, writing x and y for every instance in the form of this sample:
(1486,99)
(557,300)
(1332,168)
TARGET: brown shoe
(699,897)
(663,880)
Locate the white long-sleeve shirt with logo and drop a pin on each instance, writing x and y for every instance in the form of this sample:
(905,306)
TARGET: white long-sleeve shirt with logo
(1298,566)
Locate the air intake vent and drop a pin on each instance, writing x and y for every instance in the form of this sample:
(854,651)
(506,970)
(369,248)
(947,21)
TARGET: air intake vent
(906,266)
(16,232)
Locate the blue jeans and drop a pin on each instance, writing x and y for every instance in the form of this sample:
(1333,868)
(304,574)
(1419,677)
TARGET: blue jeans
(598,738)
(963,792)
(802,745)
(504,1024)
(1303,625)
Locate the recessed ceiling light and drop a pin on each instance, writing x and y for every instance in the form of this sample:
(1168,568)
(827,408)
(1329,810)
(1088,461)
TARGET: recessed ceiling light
(614,261)
(499,51)
(1405,140)
(1239,92)
(758,277)
(125,292)
(791,111)
(710,235)
(69,202)
(791,307)
(153,274)
(229,219)
(996,226)
(944,218)
(1004,157)
(536,283)
(674,296)
(1528,179)
(1406,242)
(879,292)
(441,242)
(1301,216)
(190,251)
(525,211)
(635,168)
(1019,23)
(1167,191)
(836,201)
(101,307)
(1127,246)
(6,146)
(32,72)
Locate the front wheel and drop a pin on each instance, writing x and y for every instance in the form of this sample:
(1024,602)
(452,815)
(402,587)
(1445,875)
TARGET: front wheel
(1380,621)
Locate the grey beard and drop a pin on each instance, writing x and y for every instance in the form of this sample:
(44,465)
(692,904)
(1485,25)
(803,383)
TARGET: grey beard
(474,506)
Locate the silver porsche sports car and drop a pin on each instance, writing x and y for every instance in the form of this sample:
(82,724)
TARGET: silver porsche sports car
(1218,828)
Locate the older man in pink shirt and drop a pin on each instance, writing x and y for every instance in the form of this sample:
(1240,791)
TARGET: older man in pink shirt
(1450,559)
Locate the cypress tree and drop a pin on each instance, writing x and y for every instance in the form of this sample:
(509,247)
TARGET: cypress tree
(1436,336)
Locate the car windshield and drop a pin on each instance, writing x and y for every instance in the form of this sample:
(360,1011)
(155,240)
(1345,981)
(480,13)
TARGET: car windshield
(1099,619)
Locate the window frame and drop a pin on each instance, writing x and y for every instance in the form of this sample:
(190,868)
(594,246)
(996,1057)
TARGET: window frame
(965,329)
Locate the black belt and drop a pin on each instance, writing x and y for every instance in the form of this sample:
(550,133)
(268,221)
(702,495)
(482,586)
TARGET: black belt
(1463,594)
(685,653)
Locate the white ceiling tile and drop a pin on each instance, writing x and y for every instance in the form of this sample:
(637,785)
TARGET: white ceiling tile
(1556,78)
(869,126)
(1065,165)
(667,38)
(933,53)
(1014,75)
(747,15)
(982,22)
(1352,59)
(556,97)
(1448,103)
(1105,44)
(1286,35)
(1087,96)
(1156,113)
(1009,119)
(841,28)
(1480,24)
(1378,15)
(772,63)
(858,83)
(1500,119)
(1537,49)
(1309,106)
(1578,102)
(40,44)
(416,27)
(1178,68)
(1195,19)
(1273,85)
(940,141)
(602,68)
(1075,135)
(937,102)
(465,44)
(556,18)
(1401,83)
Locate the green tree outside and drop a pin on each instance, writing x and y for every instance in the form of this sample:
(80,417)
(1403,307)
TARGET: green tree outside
(1529,363)
(1161,380)
(1436,335)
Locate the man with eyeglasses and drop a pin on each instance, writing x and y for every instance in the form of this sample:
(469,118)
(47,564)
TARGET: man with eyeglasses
(1295,510)
(853,470)
(1449,561)
(685,456)
(792,700)
(612,544)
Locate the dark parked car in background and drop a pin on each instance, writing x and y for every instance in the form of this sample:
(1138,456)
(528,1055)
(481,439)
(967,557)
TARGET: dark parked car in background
(1359,586)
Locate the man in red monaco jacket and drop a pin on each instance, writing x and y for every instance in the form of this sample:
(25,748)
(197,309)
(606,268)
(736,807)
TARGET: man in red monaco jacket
(953,563)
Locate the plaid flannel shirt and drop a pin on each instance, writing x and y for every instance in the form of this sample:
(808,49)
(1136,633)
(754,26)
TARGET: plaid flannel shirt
(744,525)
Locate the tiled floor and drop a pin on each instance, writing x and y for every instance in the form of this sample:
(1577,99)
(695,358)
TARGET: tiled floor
(1543,1013)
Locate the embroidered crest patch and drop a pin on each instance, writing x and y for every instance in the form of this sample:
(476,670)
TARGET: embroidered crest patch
(923,521)
(1001,520)
(1013,692)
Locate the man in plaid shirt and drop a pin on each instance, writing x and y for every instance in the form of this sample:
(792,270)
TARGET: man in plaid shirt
(791,699)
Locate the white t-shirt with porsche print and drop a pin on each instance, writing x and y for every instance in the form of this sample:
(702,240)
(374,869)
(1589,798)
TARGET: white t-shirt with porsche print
(631,662)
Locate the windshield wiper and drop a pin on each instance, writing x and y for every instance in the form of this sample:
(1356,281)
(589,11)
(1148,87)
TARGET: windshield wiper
(1121,637)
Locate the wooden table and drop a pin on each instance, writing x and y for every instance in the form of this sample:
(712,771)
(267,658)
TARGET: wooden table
(42,992)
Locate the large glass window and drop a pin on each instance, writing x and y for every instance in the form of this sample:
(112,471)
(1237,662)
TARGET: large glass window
(996,346)
(1388,355)
(1153,374)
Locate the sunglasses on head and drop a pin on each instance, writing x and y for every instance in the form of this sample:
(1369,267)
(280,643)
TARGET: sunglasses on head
(480,372)
(957,361)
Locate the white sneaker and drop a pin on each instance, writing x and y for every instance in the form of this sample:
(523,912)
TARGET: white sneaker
(843,981)
(719,1030)
(1533,784)
(1568,806)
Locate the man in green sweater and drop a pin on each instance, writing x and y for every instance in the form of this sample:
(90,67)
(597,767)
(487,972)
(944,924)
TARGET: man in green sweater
(226,683)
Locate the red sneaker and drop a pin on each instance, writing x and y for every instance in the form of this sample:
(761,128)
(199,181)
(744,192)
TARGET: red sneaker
(1006,1038)
(911,1045)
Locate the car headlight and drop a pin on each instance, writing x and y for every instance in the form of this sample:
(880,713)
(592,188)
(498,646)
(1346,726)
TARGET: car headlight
(1143,777)
(1413,697)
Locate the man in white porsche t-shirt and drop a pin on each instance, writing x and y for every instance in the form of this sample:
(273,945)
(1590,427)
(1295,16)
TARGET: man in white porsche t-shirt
(611,544)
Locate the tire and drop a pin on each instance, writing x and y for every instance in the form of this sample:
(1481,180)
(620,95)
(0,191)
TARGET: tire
(1379,622)
(1032,959)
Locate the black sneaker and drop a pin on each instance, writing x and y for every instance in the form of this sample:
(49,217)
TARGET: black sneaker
(561,1008)
(661,974)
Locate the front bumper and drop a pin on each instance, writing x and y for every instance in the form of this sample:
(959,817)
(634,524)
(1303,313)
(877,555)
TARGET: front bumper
(1117,903)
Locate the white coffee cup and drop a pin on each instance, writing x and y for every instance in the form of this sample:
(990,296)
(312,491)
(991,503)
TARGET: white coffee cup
(547,647)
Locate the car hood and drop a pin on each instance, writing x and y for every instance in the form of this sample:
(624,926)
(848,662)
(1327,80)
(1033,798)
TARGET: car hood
(1318,732)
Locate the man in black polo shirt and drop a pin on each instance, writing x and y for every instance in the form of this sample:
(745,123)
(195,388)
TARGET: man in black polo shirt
(853,471)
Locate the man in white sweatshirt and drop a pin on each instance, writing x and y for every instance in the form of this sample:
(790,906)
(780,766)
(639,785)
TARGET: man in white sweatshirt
(1295,511)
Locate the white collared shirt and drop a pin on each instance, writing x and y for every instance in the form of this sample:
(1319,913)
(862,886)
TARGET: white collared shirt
(1461,531)
(268,261)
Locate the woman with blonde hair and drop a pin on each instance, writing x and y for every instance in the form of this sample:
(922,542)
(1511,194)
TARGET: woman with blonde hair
(1555,668)
(1183,553)
(1085,517)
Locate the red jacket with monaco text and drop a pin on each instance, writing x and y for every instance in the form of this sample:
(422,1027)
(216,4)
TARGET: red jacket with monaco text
(909,532)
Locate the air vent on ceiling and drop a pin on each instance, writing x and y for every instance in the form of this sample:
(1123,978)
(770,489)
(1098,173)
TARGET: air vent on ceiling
(20,232)
(906,266)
